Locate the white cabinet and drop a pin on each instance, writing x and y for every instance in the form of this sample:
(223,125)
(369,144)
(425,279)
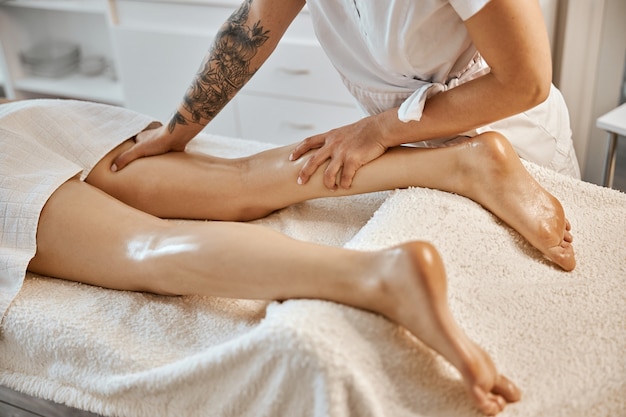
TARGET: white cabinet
(155,47)
(284,121)
(160,46)
(156,68)
(295,94)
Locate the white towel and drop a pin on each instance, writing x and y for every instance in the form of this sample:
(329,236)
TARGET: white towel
(560,335)
(43,143)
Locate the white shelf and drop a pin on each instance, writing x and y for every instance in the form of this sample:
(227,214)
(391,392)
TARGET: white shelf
(614,121)
(100,89)
(86,6)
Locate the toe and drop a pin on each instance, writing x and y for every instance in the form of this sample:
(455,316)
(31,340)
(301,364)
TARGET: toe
(506,389)
(568,237)
(488,403)
(562,255)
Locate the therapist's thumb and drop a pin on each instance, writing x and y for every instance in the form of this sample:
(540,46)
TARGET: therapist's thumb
(126,158)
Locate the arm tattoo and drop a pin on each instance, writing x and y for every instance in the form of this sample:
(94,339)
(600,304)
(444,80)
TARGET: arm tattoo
(226,69)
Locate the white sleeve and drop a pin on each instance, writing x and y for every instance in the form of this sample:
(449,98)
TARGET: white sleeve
(467,8)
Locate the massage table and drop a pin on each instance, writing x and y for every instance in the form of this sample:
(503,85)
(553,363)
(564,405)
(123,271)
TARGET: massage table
(561,336)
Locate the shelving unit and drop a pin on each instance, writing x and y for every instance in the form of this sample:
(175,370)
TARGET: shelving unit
(24,23)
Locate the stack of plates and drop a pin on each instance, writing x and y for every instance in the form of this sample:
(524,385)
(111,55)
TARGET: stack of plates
(51,59)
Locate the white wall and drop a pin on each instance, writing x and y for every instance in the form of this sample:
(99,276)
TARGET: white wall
(550,9)
(589,65)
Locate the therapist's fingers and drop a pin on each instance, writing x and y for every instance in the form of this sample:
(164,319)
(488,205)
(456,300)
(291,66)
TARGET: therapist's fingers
(306,145)
(128,156)
(150,142)
(348,172)
(331,173)
(314,161)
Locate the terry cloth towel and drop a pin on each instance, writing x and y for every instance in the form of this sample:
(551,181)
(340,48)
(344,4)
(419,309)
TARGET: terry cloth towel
(36,158)
(560,336)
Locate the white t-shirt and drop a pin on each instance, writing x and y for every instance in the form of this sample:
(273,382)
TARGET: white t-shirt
(388,51)
(398,53)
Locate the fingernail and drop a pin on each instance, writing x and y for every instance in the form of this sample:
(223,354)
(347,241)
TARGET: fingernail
(299,180)
(114,168)
(291,157)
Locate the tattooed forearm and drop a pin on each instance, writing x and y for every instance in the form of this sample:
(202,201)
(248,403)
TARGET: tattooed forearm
(226,69)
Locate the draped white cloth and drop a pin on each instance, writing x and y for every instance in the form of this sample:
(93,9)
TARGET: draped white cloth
(43,143)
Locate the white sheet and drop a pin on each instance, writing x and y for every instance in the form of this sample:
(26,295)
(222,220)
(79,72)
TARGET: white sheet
(560,335)
(36,157)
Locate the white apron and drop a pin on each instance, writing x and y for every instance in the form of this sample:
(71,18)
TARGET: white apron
(390,54)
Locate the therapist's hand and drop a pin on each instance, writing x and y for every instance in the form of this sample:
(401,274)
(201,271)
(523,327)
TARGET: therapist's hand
(347,148)
(150,142)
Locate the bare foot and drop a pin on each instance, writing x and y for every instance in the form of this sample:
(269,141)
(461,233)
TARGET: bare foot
(417,300)
(494,176)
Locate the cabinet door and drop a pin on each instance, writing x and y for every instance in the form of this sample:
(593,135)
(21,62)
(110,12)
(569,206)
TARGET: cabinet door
(283,121)
(156,68)
(300,70)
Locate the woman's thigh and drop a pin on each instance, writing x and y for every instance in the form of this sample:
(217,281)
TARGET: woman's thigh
(86,235)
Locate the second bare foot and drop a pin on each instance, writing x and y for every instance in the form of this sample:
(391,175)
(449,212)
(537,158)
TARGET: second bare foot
(417,290)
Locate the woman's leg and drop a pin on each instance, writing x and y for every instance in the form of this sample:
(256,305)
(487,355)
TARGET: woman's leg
(485,169)
(88,236)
